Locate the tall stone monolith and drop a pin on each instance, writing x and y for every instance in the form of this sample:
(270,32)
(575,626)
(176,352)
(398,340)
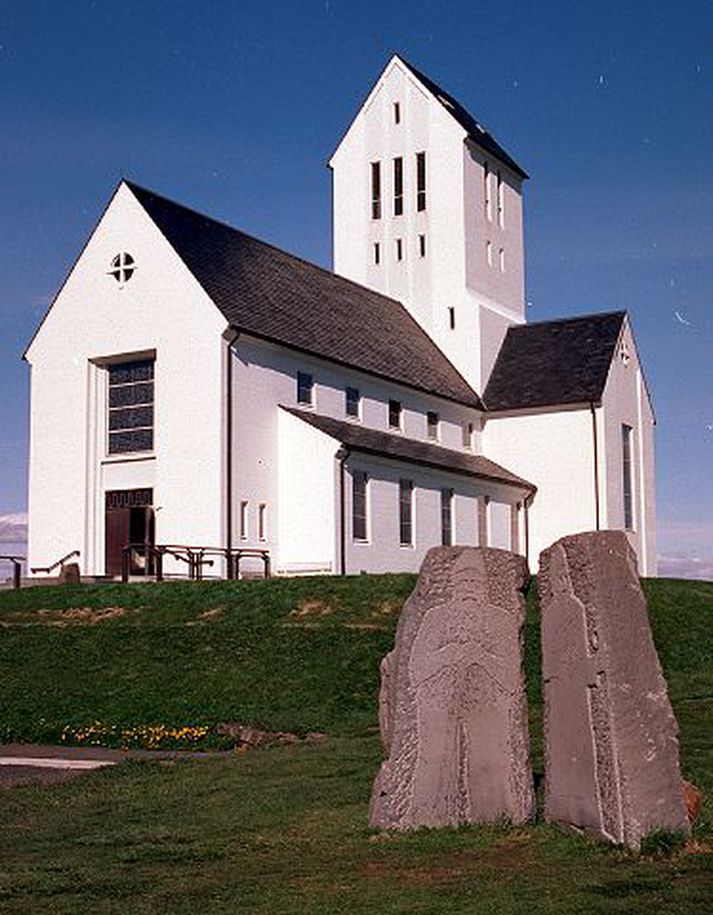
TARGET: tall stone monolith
(453,710)
(611,739)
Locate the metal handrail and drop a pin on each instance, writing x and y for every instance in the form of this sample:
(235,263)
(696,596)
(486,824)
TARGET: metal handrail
(194,556)
(16,569)
(45,570)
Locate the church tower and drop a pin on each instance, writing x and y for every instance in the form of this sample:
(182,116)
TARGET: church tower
(428,210)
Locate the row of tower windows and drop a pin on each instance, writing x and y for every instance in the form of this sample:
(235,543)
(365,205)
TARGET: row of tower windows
(487,196)
(397,173)
(489,256)
(399,249)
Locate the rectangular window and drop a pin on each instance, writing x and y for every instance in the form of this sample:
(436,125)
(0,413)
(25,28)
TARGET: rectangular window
(305,388)
(447,517)
(243,520)
(377,252)
(468,435)
(395,414)
(421,245)
(486,192)
(131,406)
(352,402)
(501,201)
(406,512)
(452,318)
(262,521)
(376,190)
(432,422)
(397,112)
(501,257)
(489,253)
(626,436)
(399,249)
(398,186)
(359,506)
(421,181)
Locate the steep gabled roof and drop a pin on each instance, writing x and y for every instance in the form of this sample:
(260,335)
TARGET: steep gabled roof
(475,130)
(554,362)
(384,444)
(269,293)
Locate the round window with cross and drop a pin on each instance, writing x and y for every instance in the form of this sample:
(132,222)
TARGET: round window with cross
(122,268)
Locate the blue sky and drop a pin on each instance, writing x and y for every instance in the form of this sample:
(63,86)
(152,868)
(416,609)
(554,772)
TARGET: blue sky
(234,108)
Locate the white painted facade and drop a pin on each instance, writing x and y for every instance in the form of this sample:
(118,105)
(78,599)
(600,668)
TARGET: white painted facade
(231,466)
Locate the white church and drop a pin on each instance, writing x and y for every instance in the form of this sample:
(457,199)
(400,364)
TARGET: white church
(192,385)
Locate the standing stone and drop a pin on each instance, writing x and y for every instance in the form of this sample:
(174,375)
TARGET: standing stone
(453,711)
(69,574)
(611,739)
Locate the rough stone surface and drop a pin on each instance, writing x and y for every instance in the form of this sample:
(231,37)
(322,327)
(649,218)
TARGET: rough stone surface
(453,712)
(69,574)
(611,739)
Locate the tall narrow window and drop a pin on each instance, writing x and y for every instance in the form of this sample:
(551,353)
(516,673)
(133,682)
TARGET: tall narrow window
(398,186)
(467,431)
(452,318)
(395,414)
(376,190)
(399,249)
(447,517)
(352,402)
(243,520)
(626,435)
(131,400)
(359,505)
(421,181)
(489,253)
(397,112)
(377,252)
(432,423)
(406,512)
(421,245)
(501,260)
(305,388)
(262,521)
(487,206)
(501,201)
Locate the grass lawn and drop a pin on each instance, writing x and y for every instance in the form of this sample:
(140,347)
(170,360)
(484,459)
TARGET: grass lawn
(284,829)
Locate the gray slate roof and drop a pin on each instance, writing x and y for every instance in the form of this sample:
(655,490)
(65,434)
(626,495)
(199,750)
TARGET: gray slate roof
(269,293)
(554,362)
(385,444)
(475,130)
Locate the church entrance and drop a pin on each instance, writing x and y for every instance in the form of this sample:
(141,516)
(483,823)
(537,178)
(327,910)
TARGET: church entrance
(129,521)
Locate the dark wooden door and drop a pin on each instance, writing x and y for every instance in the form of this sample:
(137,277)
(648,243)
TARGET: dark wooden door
(118,522)
(129,520)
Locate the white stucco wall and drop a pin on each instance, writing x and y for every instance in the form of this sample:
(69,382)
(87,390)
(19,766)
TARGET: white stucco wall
(625,401)
(160,310)
(554,451)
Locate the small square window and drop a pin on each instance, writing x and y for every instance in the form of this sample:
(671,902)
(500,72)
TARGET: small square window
(352,402)
(305,389)
(395,414)
(432,423)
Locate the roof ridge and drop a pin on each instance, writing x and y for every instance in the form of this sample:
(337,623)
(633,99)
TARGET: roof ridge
(621,312)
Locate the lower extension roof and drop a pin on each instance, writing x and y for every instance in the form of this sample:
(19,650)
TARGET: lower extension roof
(384,444)
(554,362)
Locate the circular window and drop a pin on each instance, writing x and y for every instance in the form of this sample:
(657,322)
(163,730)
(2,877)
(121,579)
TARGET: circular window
(122,267)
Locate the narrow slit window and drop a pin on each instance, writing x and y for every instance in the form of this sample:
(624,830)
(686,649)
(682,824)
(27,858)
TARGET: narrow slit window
(359,506)
(399,249)
(421,245)
(501,260)
(487,206)
(406,512)
(262,521)
(395,414)
(452,318)
(352,402)
(627,489)
(468,435)
(397,112)
(432,425)
(376,190)
(398,186)
(377,253)
(489,253)
(243,520)
(305,389)
(501,201)
(446,517)
(421,181)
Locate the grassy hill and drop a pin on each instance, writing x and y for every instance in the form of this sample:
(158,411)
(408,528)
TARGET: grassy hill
(284,829)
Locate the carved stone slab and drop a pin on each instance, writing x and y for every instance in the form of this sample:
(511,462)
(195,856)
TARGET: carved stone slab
(453,711)
(611,739)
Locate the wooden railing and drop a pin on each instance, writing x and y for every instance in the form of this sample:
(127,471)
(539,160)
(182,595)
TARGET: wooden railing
(196,558)
(16,569)
(46,570)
